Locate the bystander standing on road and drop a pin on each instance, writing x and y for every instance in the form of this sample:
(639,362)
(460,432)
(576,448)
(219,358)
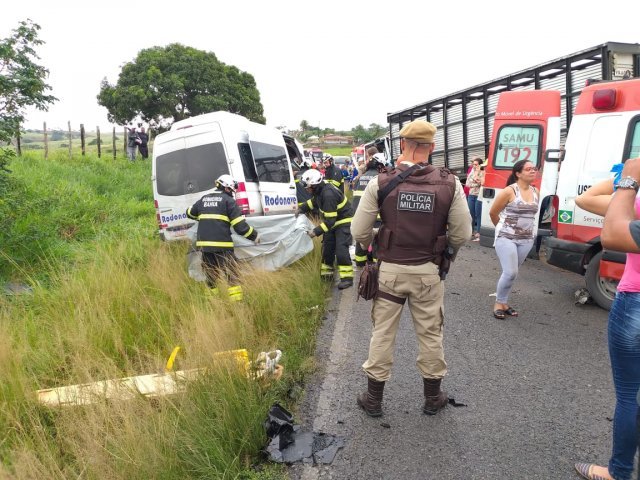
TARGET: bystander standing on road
(621,232)
(513,213)
(425,220)
(475,180)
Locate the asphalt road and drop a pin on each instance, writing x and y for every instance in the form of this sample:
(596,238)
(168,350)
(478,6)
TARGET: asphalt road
(538,387)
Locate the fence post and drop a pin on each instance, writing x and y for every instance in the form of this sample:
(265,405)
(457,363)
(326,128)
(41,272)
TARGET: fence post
(82,138)
(98,140)
(69,125)
(126,139)
(114,142)
(46,141)
(18,146)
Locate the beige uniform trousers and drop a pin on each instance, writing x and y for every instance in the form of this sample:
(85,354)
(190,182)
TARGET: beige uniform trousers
(425,294)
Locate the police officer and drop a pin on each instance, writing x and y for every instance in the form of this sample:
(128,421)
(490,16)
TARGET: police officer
(332,174)
(422,214)
(336,214)
(376,163)
(216,213)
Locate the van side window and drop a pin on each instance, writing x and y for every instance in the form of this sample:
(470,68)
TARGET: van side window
(271,162)
(634,143)
(190,170)
(246,158)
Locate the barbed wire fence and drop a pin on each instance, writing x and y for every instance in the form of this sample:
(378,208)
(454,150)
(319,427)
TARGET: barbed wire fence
(78,135)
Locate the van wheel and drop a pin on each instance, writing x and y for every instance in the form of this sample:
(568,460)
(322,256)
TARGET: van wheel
(602,290)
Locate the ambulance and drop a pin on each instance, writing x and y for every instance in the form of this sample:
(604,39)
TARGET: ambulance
(604,131)
(196,151)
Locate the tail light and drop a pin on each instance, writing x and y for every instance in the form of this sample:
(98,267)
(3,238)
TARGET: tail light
(155,204)
(242,198)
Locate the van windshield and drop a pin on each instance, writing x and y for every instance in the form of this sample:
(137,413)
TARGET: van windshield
(271,163)
(190,170)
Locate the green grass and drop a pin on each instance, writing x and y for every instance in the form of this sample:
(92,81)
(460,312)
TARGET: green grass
(345,150)
(112,300)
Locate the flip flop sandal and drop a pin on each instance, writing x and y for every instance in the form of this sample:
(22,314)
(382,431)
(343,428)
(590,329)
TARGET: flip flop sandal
(584,470)
(511,312)
(499,314)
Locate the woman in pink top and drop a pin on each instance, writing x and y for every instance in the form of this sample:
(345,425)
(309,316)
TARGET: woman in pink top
(621,232)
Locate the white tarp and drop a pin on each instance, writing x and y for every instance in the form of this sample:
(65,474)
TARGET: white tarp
(283,240)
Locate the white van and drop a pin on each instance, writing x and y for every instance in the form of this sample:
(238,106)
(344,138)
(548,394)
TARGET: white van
(383,146)
(196,151)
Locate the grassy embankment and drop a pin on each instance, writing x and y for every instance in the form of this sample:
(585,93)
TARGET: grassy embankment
(110,300)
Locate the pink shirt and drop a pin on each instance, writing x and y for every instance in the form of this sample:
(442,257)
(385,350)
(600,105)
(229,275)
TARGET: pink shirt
(630,281)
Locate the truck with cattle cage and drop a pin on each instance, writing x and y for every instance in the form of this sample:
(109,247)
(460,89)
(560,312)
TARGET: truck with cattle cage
(196,151)
(573,118)
(465,119)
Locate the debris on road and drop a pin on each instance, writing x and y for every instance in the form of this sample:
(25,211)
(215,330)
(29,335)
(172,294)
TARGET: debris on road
(291,445)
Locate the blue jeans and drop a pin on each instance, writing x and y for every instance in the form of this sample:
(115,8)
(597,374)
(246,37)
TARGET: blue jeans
(475,208)
(624,350)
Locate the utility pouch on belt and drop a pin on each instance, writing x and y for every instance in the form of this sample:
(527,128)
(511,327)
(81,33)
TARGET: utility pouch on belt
(368,284)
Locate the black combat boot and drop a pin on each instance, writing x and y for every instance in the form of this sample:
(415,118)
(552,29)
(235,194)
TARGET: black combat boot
(345,283)
(371,400)
(434,398)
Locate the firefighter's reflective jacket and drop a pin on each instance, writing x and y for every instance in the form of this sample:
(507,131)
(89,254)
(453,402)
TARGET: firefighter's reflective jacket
(216,213)
(301,192)
(333,175)
(333,205)
(361,184)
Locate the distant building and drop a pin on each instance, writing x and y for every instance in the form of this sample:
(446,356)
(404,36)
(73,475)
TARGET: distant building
(337,140)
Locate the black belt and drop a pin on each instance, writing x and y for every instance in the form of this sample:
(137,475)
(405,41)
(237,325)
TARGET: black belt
(391,298)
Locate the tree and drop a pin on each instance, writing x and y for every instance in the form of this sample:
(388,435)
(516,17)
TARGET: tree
(22,80)
(166,84)
(376,130)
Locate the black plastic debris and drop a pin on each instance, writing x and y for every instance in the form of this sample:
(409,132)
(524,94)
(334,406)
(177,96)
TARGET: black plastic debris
(291,445)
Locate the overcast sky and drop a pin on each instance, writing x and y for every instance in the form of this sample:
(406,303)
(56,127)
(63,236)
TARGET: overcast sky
(333,63)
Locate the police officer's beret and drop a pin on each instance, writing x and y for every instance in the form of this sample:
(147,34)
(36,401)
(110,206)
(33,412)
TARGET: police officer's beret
(419,131)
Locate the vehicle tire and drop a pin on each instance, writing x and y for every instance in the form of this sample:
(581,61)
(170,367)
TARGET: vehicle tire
(602,290)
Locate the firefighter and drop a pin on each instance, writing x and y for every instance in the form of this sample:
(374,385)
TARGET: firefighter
(332,174)
(376,163)
(336,212)
(216,213)
(301,192)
